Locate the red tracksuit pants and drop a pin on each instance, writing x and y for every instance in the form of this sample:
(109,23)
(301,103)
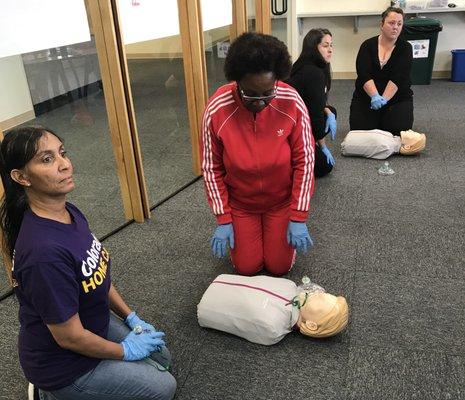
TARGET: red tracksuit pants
(260,242)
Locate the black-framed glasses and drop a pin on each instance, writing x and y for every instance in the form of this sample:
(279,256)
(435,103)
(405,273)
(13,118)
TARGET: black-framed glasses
(265,99)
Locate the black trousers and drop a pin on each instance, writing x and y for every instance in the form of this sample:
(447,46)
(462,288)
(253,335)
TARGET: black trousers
(392,118)
(322,167)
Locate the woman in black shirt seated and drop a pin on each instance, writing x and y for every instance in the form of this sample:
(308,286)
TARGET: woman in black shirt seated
(311,77)
(382,98)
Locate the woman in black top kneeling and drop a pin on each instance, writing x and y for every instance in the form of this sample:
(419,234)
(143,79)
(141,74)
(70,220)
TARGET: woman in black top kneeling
(311,77)
(382,98)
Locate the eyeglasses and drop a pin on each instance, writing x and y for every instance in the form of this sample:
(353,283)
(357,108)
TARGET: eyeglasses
(265,99)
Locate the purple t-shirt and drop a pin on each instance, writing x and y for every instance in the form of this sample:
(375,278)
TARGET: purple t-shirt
(61,270)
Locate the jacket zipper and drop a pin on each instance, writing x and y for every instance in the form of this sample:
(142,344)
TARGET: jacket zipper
(257,150)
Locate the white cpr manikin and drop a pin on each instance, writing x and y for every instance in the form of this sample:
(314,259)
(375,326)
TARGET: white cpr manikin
(380,144)
(264,309)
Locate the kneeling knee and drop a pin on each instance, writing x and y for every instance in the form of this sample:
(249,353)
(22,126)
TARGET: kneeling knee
(168,388)
(323,171)
(277,269)
(248,269)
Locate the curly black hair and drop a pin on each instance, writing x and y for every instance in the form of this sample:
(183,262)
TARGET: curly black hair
(254,53)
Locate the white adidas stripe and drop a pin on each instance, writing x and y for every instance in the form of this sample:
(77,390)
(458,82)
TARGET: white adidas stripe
(207,163)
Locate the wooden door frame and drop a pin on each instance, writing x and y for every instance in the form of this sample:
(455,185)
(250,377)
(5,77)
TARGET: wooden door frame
(239,18)
(120,108)
(195,71)
(5,254)
(263,16)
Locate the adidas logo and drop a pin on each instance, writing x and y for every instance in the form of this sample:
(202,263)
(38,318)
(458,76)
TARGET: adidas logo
(280,132)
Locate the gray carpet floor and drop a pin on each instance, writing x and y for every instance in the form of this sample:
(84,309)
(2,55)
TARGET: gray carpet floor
(393,245)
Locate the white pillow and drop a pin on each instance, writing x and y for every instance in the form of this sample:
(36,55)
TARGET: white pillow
(255,308)
(373,143)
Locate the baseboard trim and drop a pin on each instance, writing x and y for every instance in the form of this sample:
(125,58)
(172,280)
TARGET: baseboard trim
(353,75)
(17,120)
(145,56)
(344,75)
(441,74)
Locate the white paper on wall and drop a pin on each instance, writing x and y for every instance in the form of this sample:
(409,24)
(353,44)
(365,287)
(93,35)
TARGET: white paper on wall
(223,48)
(420,48)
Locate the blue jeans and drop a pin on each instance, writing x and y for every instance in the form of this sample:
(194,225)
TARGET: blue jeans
(121,380)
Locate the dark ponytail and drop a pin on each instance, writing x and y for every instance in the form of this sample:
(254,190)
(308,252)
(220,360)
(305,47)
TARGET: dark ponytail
(18,147)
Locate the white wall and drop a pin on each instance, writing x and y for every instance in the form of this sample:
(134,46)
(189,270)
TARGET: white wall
(15,99)
(340,6)
(452,37)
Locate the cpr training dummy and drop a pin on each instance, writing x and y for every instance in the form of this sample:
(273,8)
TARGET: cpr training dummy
(263,309)
(380,144)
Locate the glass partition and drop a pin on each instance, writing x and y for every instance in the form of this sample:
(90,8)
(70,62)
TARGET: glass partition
(216,21)
(155,63)
(251,22)
(59,87)
(279,27)
(4,281)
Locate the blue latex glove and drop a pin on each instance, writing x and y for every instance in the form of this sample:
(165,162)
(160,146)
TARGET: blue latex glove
(298,236)
(329,157)
(331,125)
(377,101)
(139,346)
(133,319)
(220,238)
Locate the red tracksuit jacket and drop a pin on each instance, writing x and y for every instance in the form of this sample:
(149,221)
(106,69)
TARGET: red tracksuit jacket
(254,164)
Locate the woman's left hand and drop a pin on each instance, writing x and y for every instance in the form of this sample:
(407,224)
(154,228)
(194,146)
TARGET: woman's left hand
(133,320)
(298,236)
(329,157)
(331,125)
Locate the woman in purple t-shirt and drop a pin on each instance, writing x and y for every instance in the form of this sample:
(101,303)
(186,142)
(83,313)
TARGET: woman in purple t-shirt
(70,345)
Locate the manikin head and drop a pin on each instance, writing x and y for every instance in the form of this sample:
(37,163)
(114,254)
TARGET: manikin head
(412,142)
(322,314)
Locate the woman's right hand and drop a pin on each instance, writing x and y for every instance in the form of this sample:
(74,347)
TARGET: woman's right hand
(329,157)
(331,125)
(139,346)
(377,101)
(223,234)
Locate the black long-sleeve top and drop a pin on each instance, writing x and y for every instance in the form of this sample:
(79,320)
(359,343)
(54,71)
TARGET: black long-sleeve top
(310,81)
(397,69)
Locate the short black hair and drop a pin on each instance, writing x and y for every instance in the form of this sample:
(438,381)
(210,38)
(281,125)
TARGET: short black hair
(254,53)
(388,10)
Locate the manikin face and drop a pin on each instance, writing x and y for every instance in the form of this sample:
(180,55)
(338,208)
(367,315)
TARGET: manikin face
(392,26)
(325,47)
(49,173)
(257,90)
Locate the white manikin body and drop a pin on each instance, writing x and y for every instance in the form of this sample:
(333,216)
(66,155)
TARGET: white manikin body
(374,143)
(255,308)
(380,144)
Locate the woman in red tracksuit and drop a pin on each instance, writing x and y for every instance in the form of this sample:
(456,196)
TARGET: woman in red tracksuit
(257,159)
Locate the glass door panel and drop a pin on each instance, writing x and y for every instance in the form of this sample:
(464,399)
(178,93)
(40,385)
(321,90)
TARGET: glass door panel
(155,63)
(279,27)
(52,78)
(216,21)
(251,15)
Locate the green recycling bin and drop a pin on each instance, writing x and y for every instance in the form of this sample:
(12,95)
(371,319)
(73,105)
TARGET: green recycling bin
(422,33)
